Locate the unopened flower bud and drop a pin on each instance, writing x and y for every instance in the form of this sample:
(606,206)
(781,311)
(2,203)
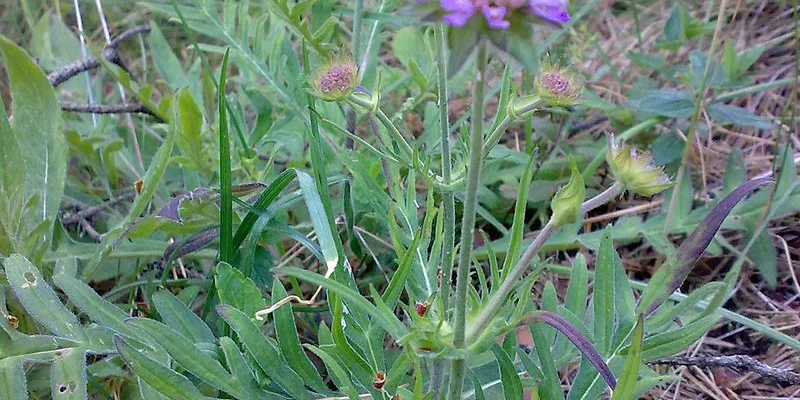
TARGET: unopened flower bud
(635,169)
(336,79)
(559,87)
(523,106)
(567,202)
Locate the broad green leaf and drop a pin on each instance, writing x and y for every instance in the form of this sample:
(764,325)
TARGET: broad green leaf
(188,355)
(319,220)
(237,290)
(165,60)
(665,102)
(190,139)
(35,126)
(68,374)
(39,299)
(264,352)
(150,182)
(765,258)
(12,380)
(725,114)
(476,386)
(176,315)
(735,171)
(630,371)
(289,343)
(337,373)
(168,382)
(512,386)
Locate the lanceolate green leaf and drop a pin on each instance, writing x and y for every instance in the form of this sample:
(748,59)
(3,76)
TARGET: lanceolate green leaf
(603,296)
(512,386)
(630,371)
(264,352)
(289,343)
(237,290)
(188,356)
(150,182)
(177,315)
(389,322)
(162,378)
(39,299)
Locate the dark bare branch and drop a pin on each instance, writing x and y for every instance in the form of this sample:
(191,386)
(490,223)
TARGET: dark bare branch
(741,363)
(110,53)
(108,109)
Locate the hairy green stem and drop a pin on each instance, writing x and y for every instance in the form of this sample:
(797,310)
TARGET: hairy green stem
(499,297)
(358,17)
(699,102)
(448,199)
(459,365)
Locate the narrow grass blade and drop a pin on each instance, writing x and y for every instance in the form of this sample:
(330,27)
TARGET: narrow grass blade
(226,196)
(677,267)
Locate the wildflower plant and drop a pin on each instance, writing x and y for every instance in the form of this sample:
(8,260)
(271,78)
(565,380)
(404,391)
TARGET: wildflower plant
(432,311)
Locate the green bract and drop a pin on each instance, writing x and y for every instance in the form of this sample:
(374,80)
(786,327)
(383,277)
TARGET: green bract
(566,204)
(634,168)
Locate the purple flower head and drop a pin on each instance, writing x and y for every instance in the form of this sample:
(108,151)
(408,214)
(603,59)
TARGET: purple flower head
(551,10)
(495,12)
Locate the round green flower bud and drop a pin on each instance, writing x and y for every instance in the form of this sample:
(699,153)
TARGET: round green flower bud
(635,169)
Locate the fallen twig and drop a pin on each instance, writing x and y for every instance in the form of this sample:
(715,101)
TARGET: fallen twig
(741,363)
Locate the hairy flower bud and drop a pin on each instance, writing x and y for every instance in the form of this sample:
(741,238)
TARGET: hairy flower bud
(567,202)
(336,79)
(635,169)
(559,87)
